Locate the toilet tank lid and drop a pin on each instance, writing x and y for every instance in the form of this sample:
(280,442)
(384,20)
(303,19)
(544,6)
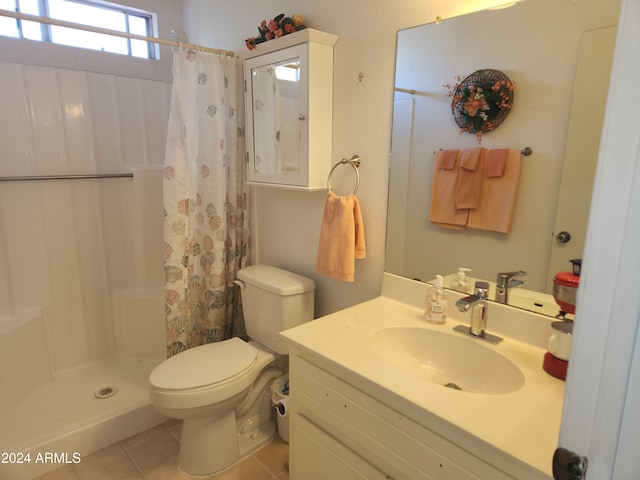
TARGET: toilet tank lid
(276,280)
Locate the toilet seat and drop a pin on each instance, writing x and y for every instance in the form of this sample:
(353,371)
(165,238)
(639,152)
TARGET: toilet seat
(204,366)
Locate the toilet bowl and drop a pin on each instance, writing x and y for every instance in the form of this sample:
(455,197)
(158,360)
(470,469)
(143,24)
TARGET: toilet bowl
(221,390)
(205,386)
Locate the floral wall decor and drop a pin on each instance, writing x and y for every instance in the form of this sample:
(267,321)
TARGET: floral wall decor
(481,101)
(276,28)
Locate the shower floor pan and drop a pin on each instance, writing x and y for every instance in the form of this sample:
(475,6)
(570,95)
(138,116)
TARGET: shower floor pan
(77,413)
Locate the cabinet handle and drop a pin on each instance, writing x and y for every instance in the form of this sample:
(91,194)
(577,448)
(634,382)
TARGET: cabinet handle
(301,116)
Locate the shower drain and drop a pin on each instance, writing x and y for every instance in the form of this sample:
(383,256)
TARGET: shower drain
(106,392)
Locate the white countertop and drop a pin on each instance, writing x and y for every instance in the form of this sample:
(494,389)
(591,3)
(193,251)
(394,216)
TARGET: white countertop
(524,423)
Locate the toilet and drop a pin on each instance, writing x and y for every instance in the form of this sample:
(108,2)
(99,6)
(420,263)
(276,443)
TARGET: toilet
(221,390)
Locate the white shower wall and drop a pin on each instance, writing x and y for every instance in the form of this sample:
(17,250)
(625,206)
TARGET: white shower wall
(70,247)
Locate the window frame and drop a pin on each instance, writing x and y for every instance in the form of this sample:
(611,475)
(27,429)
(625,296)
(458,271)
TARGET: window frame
(46,32)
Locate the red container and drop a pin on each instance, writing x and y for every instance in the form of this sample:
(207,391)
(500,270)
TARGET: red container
(555,367)
(565,288)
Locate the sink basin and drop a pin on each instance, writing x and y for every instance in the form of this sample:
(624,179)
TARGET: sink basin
(447,359)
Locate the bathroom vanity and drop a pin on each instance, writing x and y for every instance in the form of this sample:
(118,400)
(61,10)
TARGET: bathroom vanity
(378,393)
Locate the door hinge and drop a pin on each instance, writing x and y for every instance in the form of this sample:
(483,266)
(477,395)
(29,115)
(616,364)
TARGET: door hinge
(568,465)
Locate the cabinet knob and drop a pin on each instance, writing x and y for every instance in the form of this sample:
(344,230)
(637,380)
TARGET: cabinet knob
(301,116)
(563,237)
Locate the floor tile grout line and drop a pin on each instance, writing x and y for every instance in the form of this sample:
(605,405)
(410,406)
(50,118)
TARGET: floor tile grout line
(265,468)
(262,466)
(135,465)
(142,473)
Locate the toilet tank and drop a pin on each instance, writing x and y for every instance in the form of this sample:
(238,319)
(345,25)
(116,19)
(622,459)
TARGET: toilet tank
(274,300)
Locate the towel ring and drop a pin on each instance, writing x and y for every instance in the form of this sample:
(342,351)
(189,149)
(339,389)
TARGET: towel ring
(355,163)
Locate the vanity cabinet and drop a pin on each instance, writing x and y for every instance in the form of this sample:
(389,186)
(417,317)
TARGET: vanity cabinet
(289,100)
(339,431)
(320,456)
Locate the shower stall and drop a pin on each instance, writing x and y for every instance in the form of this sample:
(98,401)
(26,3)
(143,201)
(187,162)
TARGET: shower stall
(81,260)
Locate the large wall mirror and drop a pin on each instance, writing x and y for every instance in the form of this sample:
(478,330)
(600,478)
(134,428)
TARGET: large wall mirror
(558,53)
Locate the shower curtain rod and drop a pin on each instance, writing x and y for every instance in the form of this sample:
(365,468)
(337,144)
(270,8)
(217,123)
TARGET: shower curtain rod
(66,177)
(105,31)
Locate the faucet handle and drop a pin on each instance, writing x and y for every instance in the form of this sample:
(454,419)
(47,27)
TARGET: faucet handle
(503,278)
(508,275)
(481,290)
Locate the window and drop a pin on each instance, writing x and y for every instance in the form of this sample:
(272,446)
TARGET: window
(289,71)
(92,13)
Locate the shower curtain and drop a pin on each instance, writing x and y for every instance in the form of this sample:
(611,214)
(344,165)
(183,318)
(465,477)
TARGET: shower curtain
(267,120)
(206,233)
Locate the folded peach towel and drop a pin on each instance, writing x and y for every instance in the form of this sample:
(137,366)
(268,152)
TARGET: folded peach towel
(496,161)
(499,193)
(341,237)
(444,212)
(446,159)
(472,163)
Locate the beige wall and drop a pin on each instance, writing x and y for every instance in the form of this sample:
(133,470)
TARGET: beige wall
(289,222)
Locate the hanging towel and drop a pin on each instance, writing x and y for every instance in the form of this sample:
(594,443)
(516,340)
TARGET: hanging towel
(446,159)
(495,210)
(444,212)
(496,161)
(341,237)
(470,176)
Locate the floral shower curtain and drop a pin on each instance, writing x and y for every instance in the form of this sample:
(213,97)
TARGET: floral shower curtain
(205,206)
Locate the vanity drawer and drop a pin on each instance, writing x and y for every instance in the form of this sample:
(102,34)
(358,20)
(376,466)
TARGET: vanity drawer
(389,440)
(319,456)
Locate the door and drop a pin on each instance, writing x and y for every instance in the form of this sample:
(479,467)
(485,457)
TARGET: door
(601,420)
(581,152)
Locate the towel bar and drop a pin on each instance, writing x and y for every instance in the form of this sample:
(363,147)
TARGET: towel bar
(355,163)
(526,151)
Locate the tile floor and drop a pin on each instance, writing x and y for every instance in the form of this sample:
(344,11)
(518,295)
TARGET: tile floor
(151,455)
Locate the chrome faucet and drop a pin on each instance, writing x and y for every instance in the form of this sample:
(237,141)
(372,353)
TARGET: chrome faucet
(477,304)
(504,282)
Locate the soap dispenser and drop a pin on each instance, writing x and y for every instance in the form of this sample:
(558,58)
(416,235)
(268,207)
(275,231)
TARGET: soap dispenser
(436,302)
(460,282)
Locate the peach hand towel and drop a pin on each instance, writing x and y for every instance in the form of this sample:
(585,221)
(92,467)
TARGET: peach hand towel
(472,163)
(446,159)
(444,212)
(341,237)
(496,161)
(495,210)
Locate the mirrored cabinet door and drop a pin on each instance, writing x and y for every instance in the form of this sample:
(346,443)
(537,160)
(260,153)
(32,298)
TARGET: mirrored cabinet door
(278,116)
(289,94)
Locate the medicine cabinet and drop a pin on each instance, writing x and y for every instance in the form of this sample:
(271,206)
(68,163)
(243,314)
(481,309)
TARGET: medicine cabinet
(289,99)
